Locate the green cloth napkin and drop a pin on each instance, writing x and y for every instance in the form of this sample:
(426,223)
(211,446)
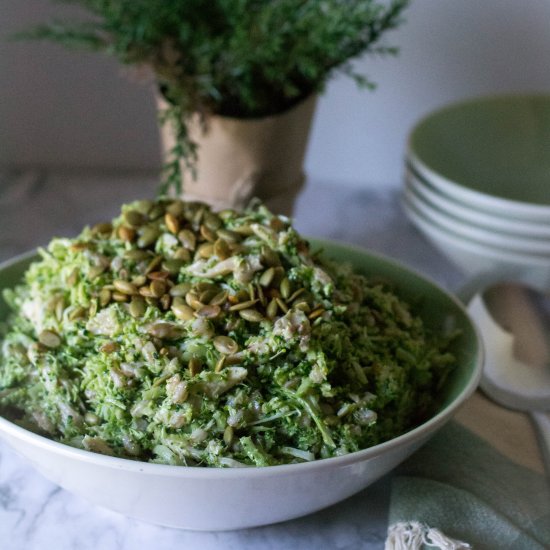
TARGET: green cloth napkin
(463,487)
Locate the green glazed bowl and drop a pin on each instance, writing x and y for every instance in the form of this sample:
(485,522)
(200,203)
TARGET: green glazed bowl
(233,498)
(492,153)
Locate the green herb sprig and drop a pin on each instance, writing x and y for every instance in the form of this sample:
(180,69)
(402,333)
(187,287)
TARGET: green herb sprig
(236,58)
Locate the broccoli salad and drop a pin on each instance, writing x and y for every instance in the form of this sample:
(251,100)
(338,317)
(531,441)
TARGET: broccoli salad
(179,335)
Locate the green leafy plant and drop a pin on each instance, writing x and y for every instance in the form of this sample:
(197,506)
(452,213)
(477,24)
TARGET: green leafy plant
(237,58)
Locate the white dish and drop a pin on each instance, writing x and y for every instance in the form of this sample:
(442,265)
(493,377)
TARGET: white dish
(477,260)
(470,214)
(490,152)
(491,238)
(220,499)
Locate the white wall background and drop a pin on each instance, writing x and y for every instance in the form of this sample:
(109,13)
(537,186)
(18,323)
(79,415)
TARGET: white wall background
(70,109)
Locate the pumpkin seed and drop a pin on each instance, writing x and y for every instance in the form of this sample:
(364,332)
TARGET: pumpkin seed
(270,257)
(95,271)
(207,233)
(165,301)
(183,255)
(126,234)
(282,305)
(143,206)
(180,290)
(176,208)
(104,296)
(212,221)
(134,218)
(172,266)
(221,249)
(118,297)
(182,311)
(172,223)
(153,264)
(219,299)
(125,287)
(91,419)
(229,236)
(50,339)
(157,288)
(244,229)
(205,250)
(148,236)
(102,228)
(167,331)
(145,291)
(137,307)
(77,313)
(78,247)
(158,275)
(156,212)
(188,239)
(136,255)
(109,347)
(264,233)
(206,295)
(192,300)
(225,345)
(209,311)
(139,280)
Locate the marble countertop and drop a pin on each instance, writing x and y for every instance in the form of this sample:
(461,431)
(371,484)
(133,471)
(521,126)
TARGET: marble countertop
(36,514)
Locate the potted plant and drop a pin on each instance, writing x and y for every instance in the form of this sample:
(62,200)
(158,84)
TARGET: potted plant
(237,80)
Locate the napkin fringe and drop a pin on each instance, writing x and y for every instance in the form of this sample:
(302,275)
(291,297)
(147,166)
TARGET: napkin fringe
(412,535)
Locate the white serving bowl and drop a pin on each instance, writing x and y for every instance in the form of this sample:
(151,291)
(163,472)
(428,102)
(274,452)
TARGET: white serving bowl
(491,153)
(486,237)
(470,215)
(220,499)
(480,260)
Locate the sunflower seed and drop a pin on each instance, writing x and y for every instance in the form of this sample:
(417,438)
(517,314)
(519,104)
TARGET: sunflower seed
(137,307)
(243,305)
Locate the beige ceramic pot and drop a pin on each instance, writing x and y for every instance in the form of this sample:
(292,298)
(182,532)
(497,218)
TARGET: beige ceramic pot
(239,159)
